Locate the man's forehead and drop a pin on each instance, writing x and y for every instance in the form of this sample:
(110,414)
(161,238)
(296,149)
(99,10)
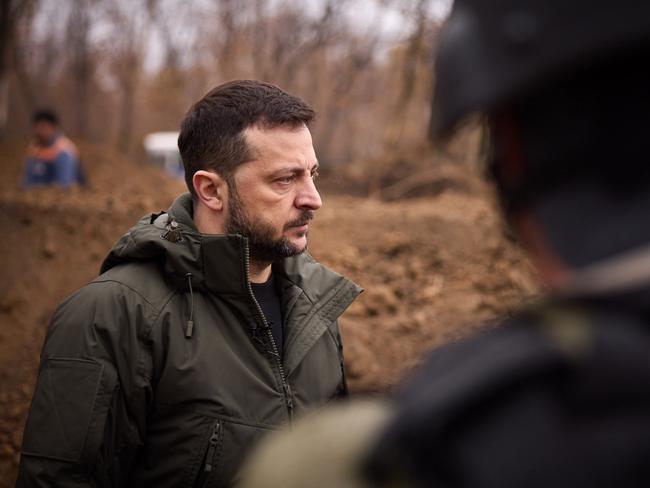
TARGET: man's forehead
(281,144)
(261,134)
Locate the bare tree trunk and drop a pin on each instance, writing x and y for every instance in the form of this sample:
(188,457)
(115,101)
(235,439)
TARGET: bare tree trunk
(25,83)
(78,31)
(130,24)
(409,73)
(6,29)
(128,83)
(260,36)
(11,12)
(227,61)
(125,129)
(341,93)
(4,104)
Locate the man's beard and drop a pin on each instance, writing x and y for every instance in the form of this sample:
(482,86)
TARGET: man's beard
(263,247)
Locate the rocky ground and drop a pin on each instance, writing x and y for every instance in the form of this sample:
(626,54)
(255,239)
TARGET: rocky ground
(435,267)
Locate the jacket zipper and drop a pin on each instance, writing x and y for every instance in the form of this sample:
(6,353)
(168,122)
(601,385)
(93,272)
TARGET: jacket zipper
(286,388)
(212,447)
(210,459)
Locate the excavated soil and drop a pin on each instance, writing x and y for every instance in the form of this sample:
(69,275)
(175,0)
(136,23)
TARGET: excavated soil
(435,268)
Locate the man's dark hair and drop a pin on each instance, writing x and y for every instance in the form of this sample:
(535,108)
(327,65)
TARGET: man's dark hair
(212,136)
(45,115)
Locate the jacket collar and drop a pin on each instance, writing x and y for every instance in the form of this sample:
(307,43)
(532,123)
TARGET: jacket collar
(217,263)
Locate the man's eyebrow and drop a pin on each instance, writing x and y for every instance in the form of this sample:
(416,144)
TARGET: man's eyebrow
(296,169)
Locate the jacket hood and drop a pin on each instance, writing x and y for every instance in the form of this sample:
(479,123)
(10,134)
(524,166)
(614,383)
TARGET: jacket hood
(214,262)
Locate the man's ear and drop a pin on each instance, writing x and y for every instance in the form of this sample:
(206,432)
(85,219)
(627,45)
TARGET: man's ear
(211,189)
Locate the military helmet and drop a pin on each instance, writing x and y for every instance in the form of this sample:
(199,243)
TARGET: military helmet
(493,51)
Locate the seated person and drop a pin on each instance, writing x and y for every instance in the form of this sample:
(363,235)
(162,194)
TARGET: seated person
(52,158)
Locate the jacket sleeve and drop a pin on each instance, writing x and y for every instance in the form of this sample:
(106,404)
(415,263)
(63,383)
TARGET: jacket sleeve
(87,417)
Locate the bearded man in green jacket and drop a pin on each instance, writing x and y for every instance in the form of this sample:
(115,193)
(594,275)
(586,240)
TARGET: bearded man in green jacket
(209,325)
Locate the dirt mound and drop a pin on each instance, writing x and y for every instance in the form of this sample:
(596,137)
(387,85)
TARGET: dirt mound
(54,242)
(433,268)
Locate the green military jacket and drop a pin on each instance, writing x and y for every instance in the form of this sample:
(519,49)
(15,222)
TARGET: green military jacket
(162,371)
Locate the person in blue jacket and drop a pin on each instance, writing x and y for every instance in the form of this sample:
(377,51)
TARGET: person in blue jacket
(51,158)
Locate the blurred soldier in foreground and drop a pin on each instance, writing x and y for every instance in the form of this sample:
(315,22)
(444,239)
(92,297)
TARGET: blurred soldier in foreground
(52,158)
(559,395)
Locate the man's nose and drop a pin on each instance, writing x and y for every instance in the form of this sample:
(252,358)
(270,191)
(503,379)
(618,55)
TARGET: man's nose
(308,197)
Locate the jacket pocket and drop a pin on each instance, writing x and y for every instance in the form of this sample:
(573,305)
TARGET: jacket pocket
(209,467)
(69,410)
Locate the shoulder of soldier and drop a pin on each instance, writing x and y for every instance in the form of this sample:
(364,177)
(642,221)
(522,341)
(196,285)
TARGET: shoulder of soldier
(538,343)
(549,387)
(462,371)
(516,385)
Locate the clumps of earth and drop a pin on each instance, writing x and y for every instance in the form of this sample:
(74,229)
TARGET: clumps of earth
(436,265)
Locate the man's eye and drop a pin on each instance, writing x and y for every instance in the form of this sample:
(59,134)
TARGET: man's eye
(314,175)
(285,180)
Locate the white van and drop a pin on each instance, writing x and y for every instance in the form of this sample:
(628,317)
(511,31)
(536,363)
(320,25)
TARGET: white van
(162,150)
